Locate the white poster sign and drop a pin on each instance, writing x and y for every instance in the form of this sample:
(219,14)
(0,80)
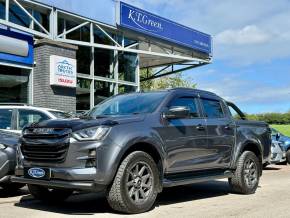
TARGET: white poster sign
(63,71)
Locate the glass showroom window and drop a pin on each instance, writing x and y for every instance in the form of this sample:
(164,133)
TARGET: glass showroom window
(83,94)
(128,63)
(43,19)
(101,38)
(2,10)
(14,85)
(18,16)
(103,90)
(104,63)
(83,59)
(126,89)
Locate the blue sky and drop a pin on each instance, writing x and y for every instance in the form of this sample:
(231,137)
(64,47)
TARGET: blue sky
(251,60)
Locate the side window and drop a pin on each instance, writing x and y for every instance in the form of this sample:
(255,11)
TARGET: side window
(26,117)
(212,108)
(6,118)
(187,102)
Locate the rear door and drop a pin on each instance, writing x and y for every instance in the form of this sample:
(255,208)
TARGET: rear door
(221,132)
(185,139)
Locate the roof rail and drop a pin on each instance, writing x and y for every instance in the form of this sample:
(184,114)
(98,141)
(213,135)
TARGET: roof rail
(14,104)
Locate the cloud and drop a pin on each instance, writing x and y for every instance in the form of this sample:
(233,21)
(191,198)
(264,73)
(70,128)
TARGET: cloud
(247,92)
(248,35)
(246,32)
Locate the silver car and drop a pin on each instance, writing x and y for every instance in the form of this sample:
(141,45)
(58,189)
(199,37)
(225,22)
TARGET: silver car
(278,153)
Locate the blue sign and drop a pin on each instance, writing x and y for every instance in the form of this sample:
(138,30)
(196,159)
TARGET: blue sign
(16,47)
(153,25)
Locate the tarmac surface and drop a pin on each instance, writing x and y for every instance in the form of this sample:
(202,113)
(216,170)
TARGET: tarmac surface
(210,199)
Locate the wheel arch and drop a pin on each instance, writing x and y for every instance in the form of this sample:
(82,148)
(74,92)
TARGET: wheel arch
(150,148)
(253,147)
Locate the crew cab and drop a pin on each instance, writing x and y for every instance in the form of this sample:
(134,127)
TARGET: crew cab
(134,145)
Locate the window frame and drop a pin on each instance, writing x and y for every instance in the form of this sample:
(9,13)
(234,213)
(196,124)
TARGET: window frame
(204,111)
(196,102)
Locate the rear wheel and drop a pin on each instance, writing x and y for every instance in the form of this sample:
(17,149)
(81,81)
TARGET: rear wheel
(247,174)
(288,156)
(48,195)
(135,187)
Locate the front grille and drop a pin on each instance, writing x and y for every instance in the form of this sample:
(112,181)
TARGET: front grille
(49,147)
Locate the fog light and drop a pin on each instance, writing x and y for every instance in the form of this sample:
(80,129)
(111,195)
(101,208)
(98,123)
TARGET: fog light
(92,153)
(91,163)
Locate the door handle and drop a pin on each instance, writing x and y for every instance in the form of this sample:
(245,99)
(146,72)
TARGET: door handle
(200,127)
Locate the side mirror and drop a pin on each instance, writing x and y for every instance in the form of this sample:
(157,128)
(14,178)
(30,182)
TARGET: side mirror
(278,136)
(177,112)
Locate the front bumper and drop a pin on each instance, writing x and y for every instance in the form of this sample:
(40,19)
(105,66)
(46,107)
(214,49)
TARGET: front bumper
(75,185)
(75,179)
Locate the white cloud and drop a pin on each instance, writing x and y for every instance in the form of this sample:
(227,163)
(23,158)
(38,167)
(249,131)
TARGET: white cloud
(247,31)
(250,34)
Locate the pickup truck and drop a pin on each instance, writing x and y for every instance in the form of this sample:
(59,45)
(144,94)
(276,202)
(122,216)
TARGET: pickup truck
(133,145)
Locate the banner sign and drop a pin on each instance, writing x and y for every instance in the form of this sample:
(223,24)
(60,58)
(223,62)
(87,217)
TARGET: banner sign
(63,71)
(16,47)
(153,25)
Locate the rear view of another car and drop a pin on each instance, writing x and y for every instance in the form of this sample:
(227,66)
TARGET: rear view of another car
(284,143)
(278,153)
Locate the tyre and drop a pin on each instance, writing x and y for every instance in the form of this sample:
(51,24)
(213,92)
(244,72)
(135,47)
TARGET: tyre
(247,174)
(48,195)
(12,186)
(288,156)
(135,186)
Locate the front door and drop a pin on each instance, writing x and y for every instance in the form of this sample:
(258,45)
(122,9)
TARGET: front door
(185,139)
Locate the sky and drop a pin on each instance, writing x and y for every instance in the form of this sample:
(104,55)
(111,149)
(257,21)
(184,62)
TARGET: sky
(251,48)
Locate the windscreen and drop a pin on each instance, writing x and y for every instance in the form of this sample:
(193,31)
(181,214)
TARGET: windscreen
(136,103)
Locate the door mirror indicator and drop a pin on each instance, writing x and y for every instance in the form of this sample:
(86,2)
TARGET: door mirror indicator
(177,112)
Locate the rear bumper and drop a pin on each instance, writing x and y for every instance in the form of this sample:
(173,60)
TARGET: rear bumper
(72,185)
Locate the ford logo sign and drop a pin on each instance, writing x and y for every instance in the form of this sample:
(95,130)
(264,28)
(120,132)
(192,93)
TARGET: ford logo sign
(36,173)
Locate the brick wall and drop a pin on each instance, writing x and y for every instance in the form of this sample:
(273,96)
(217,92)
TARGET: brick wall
(45,95)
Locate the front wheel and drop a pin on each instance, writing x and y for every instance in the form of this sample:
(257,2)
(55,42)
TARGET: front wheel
(48,195)
(247,174)
(135,187)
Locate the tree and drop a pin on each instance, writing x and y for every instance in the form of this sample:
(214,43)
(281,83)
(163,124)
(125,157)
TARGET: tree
(166,82)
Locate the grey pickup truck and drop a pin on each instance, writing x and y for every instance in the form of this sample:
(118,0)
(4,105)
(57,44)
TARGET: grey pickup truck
(132,146)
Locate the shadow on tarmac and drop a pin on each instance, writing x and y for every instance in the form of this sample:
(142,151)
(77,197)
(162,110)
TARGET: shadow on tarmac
(89,204)
(8,193)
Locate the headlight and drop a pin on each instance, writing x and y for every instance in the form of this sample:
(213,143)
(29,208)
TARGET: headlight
(94,133)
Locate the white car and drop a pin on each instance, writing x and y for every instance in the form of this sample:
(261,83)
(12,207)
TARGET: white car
(13,117)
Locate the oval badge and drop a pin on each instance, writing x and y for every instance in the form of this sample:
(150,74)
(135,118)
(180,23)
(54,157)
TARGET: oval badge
(36,173)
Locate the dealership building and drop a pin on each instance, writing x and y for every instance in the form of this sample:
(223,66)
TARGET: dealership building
(72,54)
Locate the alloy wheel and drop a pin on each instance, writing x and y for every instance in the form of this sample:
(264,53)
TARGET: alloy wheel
(139,182)
(250,173)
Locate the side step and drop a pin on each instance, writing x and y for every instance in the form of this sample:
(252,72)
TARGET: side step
(176,180)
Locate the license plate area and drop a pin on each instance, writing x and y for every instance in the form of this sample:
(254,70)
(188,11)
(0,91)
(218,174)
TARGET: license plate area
(37,173)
